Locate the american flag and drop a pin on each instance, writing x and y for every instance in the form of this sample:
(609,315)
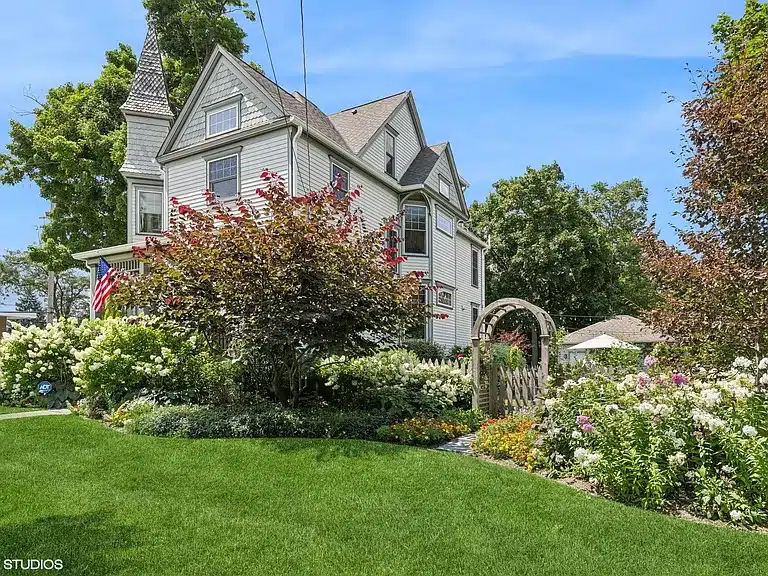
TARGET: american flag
(106,277)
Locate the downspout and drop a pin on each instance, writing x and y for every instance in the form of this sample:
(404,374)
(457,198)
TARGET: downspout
(294,161)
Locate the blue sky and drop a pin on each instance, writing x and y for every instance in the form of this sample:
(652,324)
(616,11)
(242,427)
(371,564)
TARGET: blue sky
(509,83)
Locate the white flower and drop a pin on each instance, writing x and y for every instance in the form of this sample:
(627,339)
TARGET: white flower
(763,365)
(575,434)
(610,408)
(742,363)
(645,408)
(549,403)
(736,515)
(676,459)
(750,431)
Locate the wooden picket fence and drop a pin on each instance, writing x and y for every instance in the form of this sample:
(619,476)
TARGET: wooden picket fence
(464,366)
(520,388)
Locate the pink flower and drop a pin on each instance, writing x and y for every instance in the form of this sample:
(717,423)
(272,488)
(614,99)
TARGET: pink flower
(587,427)
(650,361)
(679,379)
(643,379)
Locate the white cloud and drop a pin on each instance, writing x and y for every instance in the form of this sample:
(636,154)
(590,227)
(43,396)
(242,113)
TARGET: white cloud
(451,34)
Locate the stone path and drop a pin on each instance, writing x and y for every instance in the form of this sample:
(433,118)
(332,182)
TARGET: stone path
(460,445)
(13,415)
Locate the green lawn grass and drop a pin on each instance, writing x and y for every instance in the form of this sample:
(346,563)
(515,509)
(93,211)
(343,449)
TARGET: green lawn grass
(108,503)
(12,409)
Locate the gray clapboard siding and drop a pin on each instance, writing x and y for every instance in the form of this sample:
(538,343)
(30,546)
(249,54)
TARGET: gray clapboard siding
(223,84)
(444,273)
(376,201)
(442,168)
(466,293)
(187,178)
(407,144)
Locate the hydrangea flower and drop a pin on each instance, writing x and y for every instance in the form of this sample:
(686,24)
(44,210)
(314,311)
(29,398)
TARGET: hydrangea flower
(750,431)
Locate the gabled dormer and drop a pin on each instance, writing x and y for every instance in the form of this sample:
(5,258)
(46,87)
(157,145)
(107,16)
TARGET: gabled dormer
(435,169)
(148,117)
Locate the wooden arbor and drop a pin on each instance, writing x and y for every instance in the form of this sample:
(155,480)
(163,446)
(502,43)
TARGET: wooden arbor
(489,393)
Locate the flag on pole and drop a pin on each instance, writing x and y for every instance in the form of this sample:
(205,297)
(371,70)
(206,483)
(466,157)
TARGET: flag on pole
(106,276)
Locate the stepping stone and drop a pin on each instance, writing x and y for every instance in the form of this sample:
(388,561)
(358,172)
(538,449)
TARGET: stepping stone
(460,445)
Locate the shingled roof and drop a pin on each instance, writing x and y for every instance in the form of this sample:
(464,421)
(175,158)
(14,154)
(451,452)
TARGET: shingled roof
(317,121)
(148,93)
(422,165)
(623,327)
(358,124)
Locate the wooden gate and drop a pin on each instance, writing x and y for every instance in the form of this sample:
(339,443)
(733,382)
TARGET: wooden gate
(498,389)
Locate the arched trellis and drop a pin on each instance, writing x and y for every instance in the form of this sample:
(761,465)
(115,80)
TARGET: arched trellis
(490,400)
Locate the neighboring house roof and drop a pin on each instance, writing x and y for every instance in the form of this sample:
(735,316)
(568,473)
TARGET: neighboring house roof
(18,315)
(359,124)
(148,94)
(623,327)
(422,165)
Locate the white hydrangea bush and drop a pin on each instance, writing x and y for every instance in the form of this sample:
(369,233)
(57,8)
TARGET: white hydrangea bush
(396,380)
(29,355)
(129,355)
(667,440)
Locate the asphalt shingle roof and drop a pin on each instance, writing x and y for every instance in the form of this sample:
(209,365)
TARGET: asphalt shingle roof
(294,105)
(358,124)
(422,165)
(625,328)
(148,94)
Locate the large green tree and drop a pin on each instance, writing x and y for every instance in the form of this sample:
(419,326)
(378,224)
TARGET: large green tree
(75,146)
(565,249)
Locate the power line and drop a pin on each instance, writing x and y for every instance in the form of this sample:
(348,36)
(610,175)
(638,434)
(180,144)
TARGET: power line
(306,101)
(277,85)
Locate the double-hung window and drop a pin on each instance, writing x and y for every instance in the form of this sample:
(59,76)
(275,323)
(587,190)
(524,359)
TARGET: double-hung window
(221,120)
(415,226)
(222,177)
(389,163)
(475,313)
(339,180)
(150,212)
(475,267)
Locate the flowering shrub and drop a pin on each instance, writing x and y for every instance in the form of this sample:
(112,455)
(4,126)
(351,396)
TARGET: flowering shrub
(130,410)
(511,437)
(396,381)
(130,355)
(422,431)
(31,354)
(667,440)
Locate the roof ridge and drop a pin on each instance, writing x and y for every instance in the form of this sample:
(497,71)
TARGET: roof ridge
(371,102)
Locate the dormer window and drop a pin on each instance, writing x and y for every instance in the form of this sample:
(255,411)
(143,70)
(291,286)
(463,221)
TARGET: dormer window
(389,166)
(223,119)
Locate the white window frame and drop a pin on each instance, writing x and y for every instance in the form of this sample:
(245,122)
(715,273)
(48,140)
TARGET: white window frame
(211,111)
(208,163)
(389,132)
(475,250)
(444,290)
(443,181)
(149,190)
(426,231)
(339,166)
(438,215)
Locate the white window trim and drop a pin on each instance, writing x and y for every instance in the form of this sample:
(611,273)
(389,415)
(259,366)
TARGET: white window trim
(475,250)
(441,180)
(439,214)
(450,291)
(342,167)
(208,174)
(426,232)
(138,190)
(221,108)
(389,131)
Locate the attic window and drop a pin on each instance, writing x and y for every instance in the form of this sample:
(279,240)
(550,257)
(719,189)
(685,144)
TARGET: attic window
(389,166)
(221,120)
(445,188)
